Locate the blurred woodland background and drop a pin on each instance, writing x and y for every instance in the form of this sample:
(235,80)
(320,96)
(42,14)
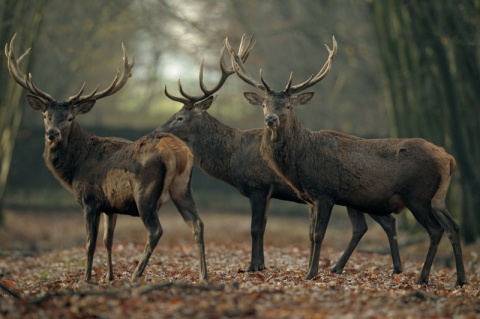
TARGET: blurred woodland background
(404,69)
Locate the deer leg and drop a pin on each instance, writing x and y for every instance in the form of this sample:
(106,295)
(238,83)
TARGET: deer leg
(388,224)
(311,209)
(320,217)
(185,204)
(359,228)
(259,204)
(109,224)
(152,224)
(425,216)
(453,232)
(92,222)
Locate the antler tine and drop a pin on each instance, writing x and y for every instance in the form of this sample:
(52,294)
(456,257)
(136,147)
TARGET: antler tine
(267,87)
(24,80)
(36,91)
(13,63)
(117,84)
(76,96)
(175,98)
(320,75)
(240,68)
(191,98)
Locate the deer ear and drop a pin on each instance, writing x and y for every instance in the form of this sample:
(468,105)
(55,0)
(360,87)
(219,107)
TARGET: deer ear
(36,103)
(302,98)
(253,98)
(205,104)
(84,106)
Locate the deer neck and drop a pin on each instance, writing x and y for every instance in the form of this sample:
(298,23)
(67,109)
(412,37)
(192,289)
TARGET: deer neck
(64,158)
(213,146)
(280,149)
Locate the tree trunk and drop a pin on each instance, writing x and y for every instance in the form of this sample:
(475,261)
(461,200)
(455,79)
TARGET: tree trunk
(14,15)
(429,53)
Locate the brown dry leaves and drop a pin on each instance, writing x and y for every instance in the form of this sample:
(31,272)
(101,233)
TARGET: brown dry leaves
(49,281)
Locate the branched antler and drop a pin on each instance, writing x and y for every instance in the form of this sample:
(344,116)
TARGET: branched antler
(190,100)
(116,85)
(26,81)
(242,72)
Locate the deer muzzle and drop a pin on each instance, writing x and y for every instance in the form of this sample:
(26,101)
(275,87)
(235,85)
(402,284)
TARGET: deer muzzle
(52,134)
(271,120)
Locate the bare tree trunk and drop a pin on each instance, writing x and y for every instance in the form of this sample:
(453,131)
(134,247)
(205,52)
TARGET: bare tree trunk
(14,19)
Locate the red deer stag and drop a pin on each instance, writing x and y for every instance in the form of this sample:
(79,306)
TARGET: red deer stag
(380,176)
(113,175)
(233,156)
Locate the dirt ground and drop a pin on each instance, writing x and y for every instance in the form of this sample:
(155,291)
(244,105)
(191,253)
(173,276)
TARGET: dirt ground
(42,258)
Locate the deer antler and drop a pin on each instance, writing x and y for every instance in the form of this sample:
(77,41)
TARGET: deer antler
(246,77)
(18,76)
(237,65)
(116,85)
(190,100)
(318,77)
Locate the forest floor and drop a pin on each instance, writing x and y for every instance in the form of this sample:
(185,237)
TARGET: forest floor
(42,257)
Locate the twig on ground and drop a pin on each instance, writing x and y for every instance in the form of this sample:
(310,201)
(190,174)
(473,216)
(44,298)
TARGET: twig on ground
(10,291)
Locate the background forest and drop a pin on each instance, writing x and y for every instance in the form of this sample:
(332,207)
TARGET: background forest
(403,69)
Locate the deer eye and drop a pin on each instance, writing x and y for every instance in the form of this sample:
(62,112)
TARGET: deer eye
(70,118)
(180,119)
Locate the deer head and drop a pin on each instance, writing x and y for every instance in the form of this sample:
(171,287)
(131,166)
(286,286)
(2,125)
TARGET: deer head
(277,106)
(59,116)
(181,123)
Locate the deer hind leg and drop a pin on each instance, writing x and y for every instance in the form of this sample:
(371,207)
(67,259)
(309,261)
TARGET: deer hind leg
(182,196)
(359,228)
(388,224)
(109,224)
(259,203)
(453,232)
(92,222)
(148,214)
(426,217)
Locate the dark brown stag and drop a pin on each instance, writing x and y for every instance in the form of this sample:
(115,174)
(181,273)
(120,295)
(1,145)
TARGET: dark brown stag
(113,175)
(233,156)
(380,176)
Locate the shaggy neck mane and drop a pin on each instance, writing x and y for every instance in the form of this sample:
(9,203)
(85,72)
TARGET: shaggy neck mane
(278,151)
(63,158)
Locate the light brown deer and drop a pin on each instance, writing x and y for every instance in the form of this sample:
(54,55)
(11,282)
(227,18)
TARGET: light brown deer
(379,176)
(233,156)
(113,175)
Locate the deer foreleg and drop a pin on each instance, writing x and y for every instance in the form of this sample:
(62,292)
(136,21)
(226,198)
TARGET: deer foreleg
(109,224)
(320,218)
(259,205)
(92,221)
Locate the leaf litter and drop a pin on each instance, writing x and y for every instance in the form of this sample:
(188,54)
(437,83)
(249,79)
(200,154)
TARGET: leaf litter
(41,274)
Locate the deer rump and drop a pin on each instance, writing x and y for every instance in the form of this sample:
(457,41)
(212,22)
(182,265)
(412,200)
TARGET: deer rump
(144,168)
(373,175)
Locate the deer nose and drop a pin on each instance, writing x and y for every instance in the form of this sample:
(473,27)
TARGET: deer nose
(271,120)
(52,134)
